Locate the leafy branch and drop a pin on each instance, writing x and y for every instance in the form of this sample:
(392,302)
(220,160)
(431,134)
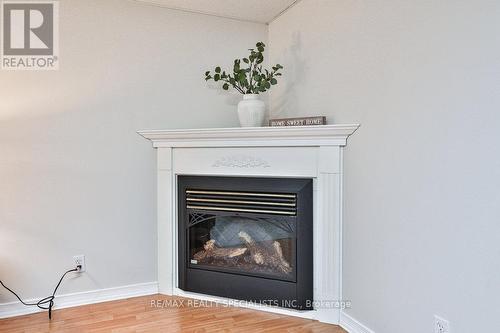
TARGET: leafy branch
(248,76)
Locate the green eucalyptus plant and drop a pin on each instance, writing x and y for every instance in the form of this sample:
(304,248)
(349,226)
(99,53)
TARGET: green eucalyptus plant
(250,78)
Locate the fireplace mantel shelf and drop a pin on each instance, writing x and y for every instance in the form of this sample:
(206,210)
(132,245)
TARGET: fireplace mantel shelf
(326,135)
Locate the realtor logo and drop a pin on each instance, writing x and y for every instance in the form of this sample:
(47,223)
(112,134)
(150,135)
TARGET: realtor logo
(30,35)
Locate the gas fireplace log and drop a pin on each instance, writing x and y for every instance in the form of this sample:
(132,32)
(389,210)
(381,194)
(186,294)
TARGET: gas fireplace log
(281,263)
(266,253)
(212,251)
(228,252)
(255,250)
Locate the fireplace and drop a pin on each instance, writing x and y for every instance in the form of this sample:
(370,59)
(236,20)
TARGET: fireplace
(247,238)
(266,160)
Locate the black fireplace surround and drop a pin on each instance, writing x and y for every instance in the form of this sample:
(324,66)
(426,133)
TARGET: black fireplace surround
(247,238)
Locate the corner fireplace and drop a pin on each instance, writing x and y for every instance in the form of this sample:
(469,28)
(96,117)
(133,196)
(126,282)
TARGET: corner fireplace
(247,238)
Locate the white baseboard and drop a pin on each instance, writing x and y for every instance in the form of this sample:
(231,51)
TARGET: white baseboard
(87,297)
(352,325)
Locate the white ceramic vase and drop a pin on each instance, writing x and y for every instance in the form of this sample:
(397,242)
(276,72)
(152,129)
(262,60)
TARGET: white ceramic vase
(251,111)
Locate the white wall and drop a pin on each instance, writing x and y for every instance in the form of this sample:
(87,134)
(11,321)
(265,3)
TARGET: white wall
(75,178)
(422,211)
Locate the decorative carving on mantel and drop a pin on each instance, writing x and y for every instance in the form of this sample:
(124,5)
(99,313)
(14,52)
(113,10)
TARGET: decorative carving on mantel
(241,161)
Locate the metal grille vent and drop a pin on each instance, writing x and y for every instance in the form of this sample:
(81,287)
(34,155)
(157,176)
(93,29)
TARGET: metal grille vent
(245,202)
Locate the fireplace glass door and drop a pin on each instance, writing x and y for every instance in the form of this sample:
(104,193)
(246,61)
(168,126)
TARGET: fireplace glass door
(252,233)
(251,244)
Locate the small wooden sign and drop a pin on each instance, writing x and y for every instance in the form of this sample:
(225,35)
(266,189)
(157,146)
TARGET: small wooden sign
(302,121)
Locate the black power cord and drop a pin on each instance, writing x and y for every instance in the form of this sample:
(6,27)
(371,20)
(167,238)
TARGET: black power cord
(48,302)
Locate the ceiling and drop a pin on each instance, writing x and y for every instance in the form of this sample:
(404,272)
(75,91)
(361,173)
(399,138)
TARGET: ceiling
(261,11)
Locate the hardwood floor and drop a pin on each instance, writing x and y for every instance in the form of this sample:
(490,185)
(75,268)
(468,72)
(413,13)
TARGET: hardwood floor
(158,313)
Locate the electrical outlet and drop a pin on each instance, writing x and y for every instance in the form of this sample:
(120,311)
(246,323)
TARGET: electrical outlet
(441,325)
(80,261)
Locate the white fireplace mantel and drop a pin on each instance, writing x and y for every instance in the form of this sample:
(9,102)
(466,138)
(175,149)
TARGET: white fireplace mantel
(290,152)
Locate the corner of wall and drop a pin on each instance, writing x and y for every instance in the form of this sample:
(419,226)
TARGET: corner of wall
(352,325)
